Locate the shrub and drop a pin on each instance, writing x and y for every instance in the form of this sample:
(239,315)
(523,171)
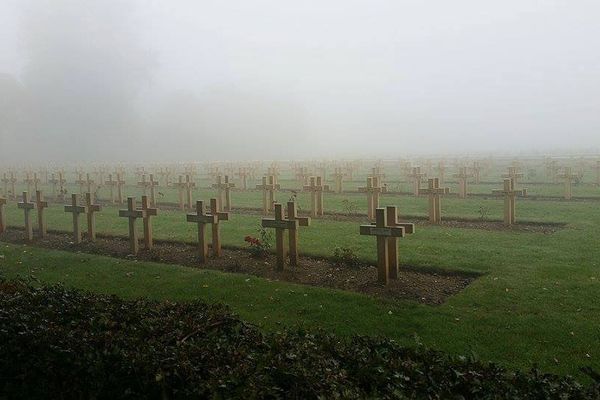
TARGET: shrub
(345,256)
(68,344)
(259,248)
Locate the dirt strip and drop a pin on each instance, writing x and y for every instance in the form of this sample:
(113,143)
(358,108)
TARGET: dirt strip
(412,284)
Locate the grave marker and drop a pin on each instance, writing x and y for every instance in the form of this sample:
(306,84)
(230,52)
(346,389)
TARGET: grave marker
(281,224)
(435,203)
(316,189)
(2,214)
(75,210)
(132,214)
(462,177)
(568,177)
(223,192)
(90,209)
(416,176)
(27,206)
(243,175)
(268,187)
(510,193)
(514,174)
(373,190)
(40,205)
(201,218)
(385,228)
(148,213)
(338,178)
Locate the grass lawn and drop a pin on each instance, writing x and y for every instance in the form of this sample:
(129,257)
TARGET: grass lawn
(536,303)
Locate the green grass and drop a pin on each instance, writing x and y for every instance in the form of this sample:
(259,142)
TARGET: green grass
(537,301)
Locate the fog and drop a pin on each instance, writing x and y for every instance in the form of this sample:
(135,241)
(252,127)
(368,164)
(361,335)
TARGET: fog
(274,79)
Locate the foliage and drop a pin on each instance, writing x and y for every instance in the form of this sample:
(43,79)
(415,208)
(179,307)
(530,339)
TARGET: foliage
(349,207)
(483,212)
(63,343)
(345,256)
(260,248)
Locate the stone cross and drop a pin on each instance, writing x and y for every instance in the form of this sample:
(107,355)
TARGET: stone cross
(316,189)
(292,214)
(273,170)
(462,177)
(120,182)
(510,193)
(90,209)
(89,184)
(150,186)
(514,174)
(80,181)
(189,187)
(416,176)
(435,203)
(201,218)
(387,229)
(40,205)
(75,210)
(148,213)
(2,215)
(180,185)
(132,214)
(60,182)
(165,173)
(223,187)
(281,224)
(338,178)
(568,177)
(27,206)
(373,190)
(268,187)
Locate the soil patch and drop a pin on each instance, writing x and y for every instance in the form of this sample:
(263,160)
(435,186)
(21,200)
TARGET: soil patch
(423,286)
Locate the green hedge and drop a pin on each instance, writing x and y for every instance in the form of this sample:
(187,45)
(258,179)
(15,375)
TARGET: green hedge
(63,343)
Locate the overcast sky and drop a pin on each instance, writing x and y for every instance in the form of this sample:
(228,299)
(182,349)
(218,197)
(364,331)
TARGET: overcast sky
(116,79)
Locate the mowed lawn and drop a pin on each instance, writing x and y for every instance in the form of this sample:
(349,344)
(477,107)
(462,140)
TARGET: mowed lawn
(537,301)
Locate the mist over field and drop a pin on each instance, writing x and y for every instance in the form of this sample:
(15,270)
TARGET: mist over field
(224,80)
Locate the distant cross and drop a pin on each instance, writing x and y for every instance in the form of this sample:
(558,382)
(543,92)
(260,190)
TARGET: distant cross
(90,210)
(416,176)
(568,176)
(302,175)
(268,187)
(6,190)
(89,184)
(132,214)
(201,218)
(111,187)
(387,229)
(514,174)
(180,185)
(441,171)
(243,175)
(223,187)
(29,180)
(377,172)
(510,193)
(462,177)
(373,190)
(152,186)
(81,182)
(27,206)
(2,214)
(316,189)
(120,184)
(338,178)
(476,172)
(149,212)
(281,224)
(435,202)
(40,205)
(75,210)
